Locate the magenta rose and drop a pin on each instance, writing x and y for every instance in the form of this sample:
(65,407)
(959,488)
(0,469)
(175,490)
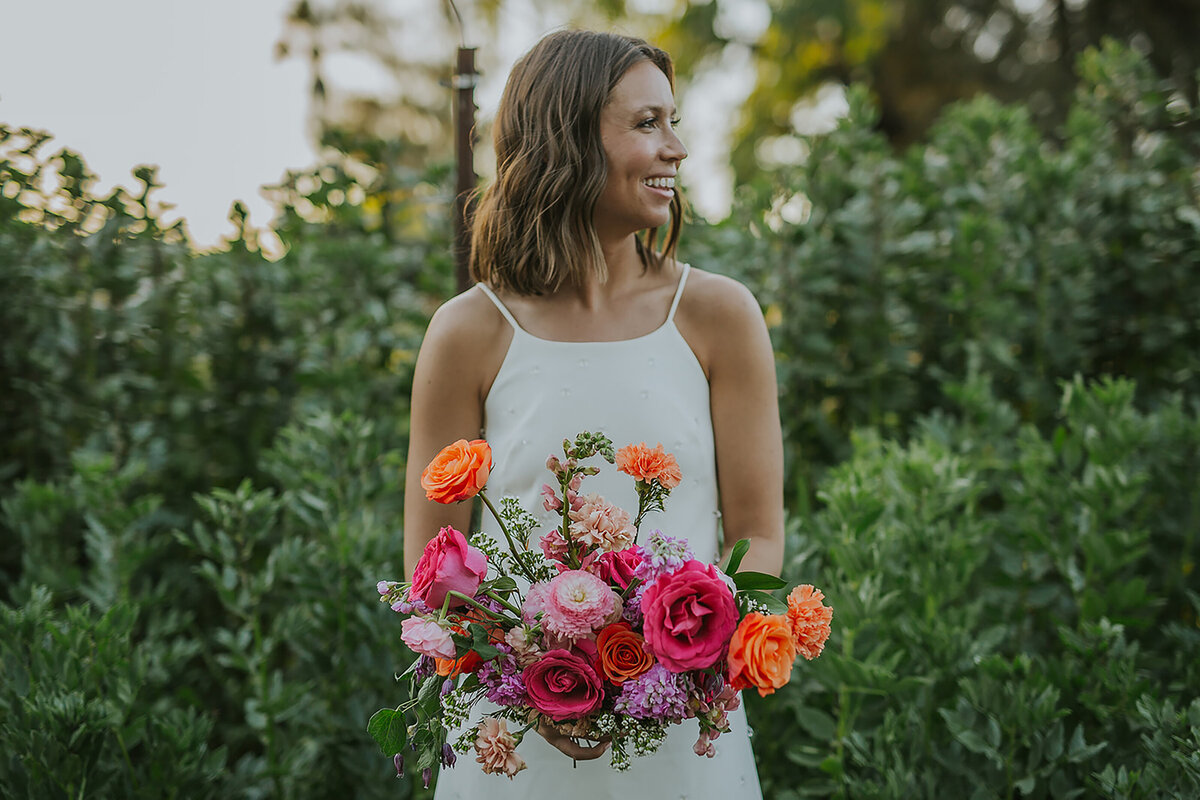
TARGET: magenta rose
(448,564)
(689,617)
(616,568)
(563,684)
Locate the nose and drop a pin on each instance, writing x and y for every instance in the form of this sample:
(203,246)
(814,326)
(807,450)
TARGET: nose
(673,149)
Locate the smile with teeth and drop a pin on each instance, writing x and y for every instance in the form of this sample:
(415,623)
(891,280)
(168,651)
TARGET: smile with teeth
(660,183)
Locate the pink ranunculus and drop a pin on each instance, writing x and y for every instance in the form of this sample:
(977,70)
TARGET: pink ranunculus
(616,568)
(426,637)
(563,684)
(577,603)
(535,602)
(689,617)
(448,564)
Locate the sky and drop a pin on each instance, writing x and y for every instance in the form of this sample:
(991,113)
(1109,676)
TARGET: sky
(194,88)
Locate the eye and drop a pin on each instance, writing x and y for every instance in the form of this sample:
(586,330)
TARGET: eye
(675,122)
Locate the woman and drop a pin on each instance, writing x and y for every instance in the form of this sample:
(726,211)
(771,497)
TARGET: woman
(579,323)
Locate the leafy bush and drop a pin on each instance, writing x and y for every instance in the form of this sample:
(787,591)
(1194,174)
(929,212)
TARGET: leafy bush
(1005,620)
(1036,259)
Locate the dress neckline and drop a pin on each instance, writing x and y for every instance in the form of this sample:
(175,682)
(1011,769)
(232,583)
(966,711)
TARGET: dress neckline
(669,322)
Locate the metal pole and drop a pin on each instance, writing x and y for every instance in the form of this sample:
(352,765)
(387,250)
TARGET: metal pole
(464,82)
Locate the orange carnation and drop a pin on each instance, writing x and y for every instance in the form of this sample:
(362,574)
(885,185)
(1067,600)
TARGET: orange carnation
(761,653)
(809,619)
(621,653)
(649,464)
(458,472)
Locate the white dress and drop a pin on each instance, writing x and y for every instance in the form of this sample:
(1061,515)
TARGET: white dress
(649,389)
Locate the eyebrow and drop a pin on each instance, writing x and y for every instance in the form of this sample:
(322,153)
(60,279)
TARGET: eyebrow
(656,110)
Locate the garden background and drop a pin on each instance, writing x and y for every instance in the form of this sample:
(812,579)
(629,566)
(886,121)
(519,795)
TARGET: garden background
(982,286)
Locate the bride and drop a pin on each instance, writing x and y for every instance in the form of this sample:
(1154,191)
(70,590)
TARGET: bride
(582,319)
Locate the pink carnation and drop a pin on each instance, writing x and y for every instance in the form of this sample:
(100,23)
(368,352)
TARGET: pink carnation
(600,524)
(426,637)
(497,748)
(577,603)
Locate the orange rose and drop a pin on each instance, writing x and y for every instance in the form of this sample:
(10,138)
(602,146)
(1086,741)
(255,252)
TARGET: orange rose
(761,653)
(649,464)
(809,619)
(621,653)
(458,472)
(453,667)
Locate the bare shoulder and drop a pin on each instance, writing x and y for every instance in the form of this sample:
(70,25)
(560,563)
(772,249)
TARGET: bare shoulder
(465,342)
(720,318)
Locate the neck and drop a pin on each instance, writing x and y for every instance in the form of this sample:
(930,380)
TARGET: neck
(624,267)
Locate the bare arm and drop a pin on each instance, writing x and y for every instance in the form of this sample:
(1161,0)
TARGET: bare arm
(459,358)
(735,349)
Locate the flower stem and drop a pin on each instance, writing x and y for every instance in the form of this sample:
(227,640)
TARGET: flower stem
(479,605)
(512,546)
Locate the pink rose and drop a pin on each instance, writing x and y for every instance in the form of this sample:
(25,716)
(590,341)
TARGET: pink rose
(448,564)
(563,684)
(616,568)
(426,637)
(689,617)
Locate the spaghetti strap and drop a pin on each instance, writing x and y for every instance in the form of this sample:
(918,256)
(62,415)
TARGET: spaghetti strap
(496,300)
(678,292)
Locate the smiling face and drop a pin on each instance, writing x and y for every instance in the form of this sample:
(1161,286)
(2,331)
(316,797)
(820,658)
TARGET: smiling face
(643,154)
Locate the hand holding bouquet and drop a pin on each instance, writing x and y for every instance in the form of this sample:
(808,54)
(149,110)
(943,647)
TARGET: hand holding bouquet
(593,633)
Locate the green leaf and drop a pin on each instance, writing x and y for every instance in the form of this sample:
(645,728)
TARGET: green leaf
(429,698)
(504,585)
(387,729)
(736,555)
(757,580)
(774,604)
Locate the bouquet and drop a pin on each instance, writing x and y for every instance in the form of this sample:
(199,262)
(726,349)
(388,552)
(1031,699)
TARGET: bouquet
(593,633)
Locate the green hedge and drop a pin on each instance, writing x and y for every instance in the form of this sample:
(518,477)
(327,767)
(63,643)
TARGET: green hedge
(1015,613)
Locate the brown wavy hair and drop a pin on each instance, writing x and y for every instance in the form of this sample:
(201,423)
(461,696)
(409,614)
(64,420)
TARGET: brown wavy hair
(533,229)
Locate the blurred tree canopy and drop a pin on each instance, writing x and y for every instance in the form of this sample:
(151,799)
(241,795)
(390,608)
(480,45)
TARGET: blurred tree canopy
(915,56)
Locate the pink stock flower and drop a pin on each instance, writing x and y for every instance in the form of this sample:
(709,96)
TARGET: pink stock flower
(426,637)
(525,650)
(563,684)
(497,748)
(577,603)
(598,523)
(689,617)
(448,564)
(554,546)
(550,499)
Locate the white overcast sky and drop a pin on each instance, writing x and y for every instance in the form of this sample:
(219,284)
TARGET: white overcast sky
(194,89)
